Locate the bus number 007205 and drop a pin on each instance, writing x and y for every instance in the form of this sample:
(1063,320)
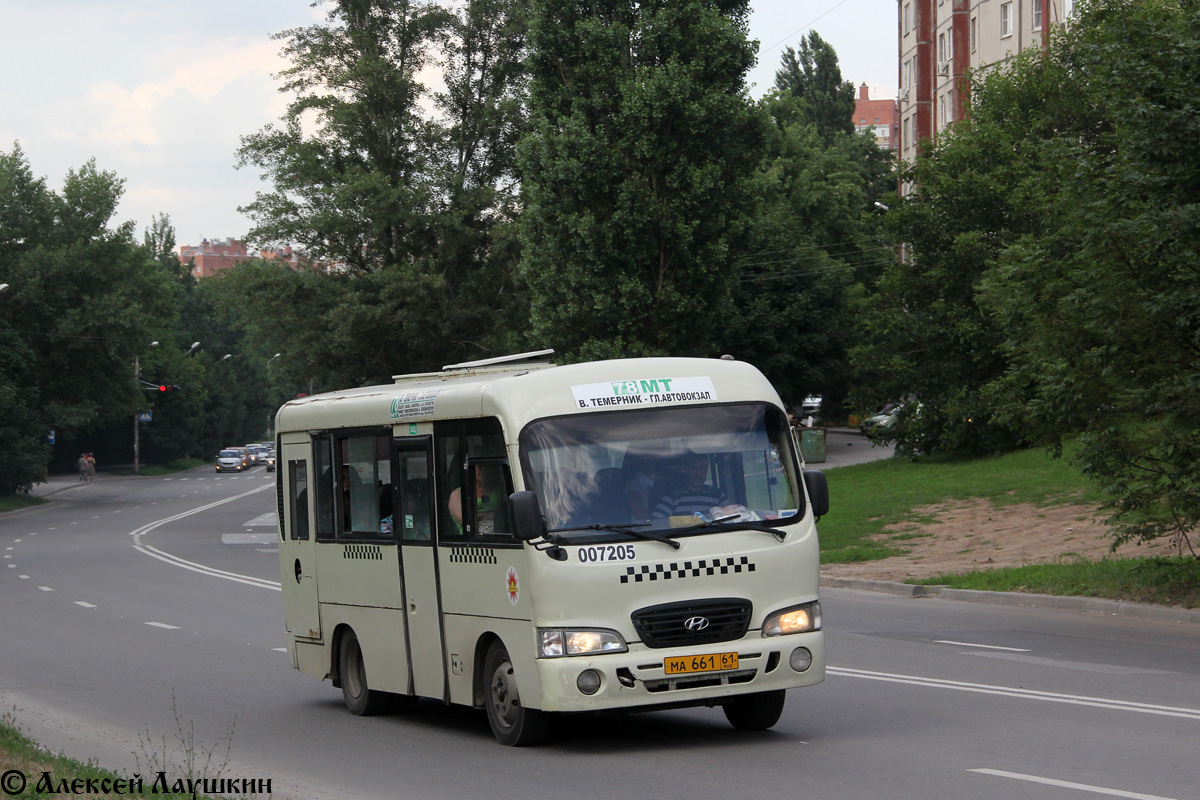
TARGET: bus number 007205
(606,552)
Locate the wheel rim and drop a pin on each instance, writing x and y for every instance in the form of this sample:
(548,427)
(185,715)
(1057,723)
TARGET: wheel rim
(505,703)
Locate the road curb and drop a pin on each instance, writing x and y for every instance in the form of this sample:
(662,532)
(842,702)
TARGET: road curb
(1093,605)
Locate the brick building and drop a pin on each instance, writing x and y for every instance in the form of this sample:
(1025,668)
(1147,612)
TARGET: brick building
(878,117)
(210,257)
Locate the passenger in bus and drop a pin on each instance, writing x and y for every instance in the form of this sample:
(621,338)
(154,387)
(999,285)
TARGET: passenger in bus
(694,497)
(488,501)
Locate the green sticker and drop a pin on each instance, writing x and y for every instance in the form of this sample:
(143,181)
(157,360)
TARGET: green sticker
(408,521)
(412,429)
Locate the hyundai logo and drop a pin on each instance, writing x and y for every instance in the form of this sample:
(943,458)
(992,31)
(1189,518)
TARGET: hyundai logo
(696,623)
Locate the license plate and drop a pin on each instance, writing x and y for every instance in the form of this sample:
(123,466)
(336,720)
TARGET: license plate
(714,662)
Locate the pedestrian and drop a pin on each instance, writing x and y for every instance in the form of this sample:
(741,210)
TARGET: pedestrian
(91,467)
(82,464)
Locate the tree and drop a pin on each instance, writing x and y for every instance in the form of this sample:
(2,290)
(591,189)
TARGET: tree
(412,210)
(1102,312)
(813,77)
(815,236)
(636,174)
(83,302)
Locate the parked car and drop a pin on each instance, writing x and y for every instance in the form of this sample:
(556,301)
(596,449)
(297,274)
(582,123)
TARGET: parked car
(874,425)
(811,406)
(230,460)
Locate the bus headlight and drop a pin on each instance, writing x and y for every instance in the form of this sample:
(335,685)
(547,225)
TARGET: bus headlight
(797,619)
(558,642)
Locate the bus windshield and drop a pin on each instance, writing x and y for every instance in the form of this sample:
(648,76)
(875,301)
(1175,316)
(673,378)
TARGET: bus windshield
(663,468)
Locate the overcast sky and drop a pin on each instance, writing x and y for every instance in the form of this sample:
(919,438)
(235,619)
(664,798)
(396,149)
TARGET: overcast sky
(160,91)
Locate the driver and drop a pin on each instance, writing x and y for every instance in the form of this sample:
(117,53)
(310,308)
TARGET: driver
(695,497)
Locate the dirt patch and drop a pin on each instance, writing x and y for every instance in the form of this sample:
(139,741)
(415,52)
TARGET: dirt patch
(952,538)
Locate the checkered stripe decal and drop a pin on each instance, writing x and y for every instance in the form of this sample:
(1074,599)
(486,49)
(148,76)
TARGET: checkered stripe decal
(473,555)
(687,569)
(367,552)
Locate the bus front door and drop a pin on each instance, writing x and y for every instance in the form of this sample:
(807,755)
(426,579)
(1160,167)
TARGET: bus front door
(418,564)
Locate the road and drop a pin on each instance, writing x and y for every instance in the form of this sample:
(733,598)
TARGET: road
(138,609)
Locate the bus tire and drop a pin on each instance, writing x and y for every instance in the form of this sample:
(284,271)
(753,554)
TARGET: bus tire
(755,712)
(512,723)
(361,700)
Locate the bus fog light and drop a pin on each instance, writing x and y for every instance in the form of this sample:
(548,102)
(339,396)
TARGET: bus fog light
(588,681)
(801,659)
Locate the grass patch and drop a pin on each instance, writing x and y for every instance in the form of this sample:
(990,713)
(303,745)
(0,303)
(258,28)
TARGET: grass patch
(158,470)
(15,502)
(1165,581)
(866,498)
(23,763)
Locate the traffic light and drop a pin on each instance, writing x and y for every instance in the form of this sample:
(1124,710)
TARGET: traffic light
(162,387)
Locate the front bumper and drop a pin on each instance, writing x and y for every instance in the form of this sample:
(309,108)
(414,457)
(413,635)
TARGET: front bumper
(637,678)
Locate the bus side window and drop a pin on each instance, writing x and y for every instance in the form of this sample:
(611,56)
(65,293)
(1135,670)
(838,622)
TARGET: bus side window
(323,484)
(365,486)
(298,497)
(414,522)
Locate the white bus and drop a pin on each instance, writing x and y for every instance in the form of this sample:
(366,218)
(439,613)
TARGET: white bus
(637,534)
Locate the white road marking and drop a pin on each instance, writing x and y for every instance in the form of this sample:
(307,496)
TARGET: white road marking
(1069,785)
(164,625)
(45,588)
(85,605)
(1107,669)
(249,580)
(11,566)
(23,577)
(279,649)
(1028,694)
(973,644)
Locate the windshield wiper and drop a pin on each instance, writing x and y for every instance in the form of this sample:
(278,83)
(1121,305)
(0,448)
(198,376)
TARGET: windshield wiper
(731,522)
(630,528)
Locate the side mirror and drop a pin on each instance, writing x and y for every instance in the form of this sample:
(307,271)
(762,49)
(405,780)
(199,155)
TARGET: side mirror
(818,492)
(527,516)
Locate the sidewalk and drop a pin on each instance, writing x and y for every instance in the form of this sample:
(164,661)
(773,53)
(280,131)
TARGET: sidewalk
(55,484)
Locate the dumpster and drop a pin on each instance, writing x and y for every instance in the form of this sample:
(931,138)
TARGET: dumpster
(812,445)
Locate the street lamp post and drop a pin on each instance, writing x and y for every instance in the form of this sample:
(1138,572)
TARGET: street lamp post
(137,380)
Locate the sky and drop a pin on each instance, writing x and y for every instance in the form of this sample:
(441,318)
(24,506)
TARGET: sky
(160,92)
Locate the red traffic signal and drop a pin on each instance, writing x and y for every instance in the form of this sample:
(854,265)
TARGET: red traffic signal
(162,387)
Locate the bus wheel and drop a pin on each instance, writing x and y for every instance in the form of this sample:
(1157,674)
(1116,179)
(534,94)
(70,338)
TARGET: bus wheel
(512,723)
(360,699)
(755,712)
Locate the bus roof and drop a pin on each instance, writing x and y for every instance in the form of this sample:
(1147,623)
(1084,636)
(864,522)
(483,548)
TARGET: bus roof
(519,391)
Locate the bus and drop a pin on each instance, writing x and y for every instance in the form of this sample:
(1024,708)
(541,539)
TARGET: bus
(536,539)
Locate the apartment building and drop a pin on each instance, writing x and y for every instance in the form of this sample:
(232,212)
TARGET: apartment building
(942,40)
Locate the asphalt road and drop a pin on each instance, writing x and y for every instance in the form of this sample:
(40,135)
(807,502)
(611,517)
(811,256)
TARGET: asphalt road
(139,611)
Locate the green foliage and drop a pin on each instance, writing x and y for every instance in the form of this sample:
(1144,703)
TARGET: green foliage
(636,174)
(812,76)
(83,302)
(814,237)
(1051,289)
(415,212)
